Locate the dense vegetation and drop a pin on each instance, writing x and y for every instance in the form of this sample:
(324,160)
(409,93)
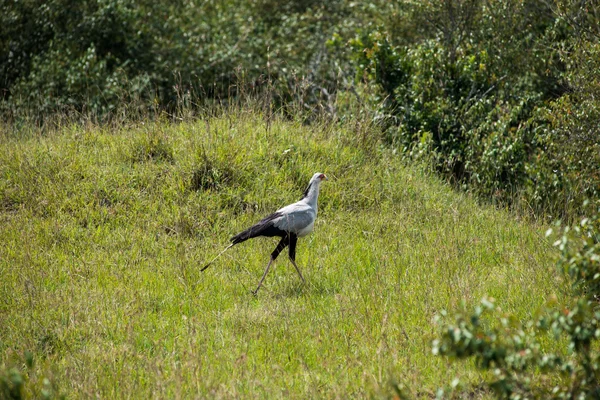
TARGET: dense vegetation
(502,95)
(501,98)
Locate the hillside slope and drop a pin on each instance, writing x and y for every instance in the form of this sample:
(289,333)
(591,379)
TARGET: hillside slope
(103,232)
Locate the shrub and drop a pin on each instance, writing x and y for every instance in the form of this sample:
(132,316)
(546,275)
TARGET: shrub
(566,167)
(64,55)
(15,384)
(512,350)
(501,97)
(99,57)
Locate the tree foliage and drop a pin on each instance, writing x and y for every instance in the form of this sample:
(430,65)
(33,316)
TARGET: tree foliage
(502,96)
(488,92)
(99,55)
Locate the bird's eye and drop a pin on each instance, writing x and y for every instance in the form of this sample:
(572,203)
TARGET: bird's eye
(322,176)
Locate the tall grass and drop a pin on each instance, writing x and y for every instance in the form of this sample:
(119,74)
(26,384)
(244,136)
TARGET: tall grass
(103,230)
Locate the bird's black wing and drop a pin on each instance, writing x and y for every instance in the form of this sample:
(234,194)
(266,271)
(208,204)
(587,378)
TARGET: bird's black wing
(264,227)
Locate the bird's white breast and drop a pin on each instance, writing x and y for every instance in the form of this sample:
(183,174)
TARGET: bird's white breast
(308,229)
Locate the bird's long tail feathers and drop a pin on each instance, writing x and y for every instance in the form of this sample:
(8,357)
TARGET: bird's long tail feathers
(264,227)
(252,232)
(218,255)
(243,236)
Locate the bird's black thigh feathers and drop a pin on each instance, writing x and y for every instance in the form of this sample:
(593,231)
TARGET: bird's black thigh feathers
(292,250)
(280,246)
(290,239)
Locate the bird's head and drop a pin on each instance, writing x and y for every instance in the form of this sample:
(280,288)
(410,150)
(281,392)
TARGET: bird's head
(314,184)
(318,177)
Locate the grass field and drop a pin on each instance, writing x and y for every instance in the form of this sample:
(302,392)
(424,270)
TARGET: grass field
(103,232)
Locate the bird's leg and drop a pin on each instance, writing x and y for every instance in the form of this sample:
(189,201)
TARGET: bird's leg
(298,270)
(292,253)
(282,243)
(264,275)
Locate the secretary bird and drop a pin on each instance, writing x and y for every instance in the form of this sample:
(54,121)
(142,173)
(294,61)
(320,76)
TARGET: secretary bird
(289,223)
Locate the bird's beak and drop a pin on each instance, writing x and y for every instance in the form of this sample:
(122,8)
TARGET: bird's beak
(324,178)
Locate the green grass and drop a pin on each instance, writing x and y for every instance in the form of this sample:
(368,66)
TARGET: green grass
(103,232)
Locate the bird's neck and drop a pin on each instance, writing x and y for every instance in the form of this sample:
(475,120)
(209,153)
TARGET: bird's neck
(311,195)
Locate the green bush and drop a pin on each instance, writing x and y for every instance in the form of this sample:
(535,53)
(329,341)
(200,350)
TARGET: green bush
(501,97)
(16,384)
(514,350)
(566,167)
(100,57)
(453,109)
(63,55)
